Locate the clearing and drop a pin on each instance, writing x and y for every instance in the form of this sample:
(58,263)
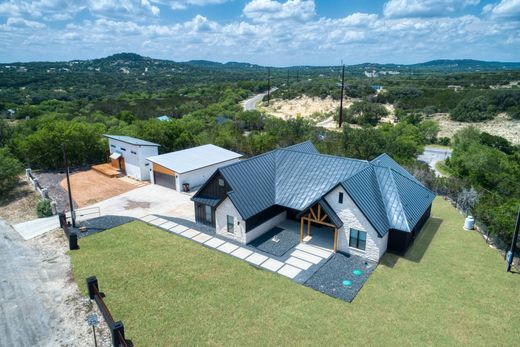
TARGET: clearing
(89,187)
(20,204)
(501,125)
(449,289)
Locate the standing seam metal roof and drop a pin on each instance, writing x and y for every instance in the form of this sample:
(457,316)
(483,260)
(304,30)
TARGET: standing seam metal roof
(298,177)
(131,140)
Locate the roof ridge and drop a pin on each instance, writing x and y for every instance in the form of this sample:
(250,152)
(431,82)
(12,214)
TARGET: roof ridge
(411,180)
(325,155)
(400,200)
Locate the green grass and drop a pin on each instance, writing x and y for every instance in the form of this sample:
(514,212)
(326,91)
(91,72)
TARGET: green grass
(449,289)
(443,168)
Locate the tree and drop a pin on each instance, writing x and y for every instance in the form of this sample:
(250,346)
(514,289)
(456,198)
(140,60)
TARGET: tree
(364,112)
(467,199)
(10,169)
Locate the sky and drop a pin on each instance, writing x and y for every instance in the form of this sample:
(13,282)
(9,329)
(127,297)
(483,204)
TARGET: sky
(266,32)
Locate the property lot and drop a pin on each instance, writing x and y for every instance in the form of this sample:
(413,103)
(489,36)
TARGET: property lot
(89,187)
(449,289)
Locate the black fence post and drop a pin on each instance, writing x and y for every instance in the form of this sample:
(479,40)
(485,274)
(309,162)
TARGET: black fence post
(92,286)
(62,218)
(73,241)
(118,334)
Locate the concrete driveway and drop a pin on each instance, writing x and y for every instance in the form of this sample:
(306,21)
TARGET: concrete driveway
(432,155)
(150,199)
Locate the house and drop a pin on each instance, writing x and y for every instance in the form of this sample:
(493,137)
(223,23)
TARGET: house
(129,154)
(163,118)
(361,207)
(190,167)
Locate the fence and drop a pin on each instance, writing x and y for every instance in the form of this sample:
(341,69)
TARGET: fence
(71,235)
(44,193)
(117,329)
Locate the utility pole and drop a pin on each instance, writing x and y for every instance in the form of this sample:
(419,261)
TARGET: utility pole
(268,85)
(511,253)
(340,122)
(65,160)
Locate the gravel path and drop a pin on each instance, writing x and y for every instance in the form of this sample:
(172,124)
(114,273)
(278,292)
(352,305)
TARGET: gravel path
(51,181)
(40,304)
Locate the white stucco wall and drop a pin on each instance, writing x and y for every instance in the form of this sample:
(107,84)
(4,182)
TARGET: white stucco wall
(266,226)
(198,177)
(352,217)
(146,152)
(223,210)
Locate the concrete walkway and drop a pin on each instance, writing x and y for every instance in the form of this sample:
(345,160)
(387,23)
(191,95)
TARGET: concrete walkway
(298,264)
(37,227)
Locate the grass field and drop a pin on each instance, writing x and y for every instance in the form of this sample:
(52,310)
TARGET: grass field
(443,168)
(449,289)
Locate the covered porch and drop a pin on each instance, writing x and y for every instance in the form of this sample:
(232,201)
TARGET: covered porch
(316,218)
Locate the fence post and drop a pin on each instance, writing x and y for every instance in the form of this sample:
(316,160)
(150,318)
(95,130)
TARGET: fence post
(44,193)
(118,334)
(91,284)
(28,173)
(35,183)
(54,208)
(63,219)
(73,241)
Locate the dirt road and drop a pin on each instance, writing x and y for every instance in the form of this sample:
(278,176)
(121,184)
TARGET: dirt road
(40,304)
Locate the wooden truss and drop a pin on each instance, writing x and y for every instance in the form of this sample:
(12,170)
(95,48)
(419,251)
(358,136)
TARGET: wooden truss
(316,215)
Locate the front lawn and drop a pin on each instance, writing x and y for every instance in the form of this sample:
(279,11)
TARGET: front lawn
(449,289)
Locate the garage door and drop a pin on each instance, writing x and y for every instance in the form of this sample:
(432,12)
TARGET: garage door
(164,180)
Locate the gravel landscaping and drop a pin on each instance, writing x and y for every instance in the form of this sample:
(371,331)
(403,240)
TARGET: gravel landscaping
(342,276)
(276,241)
(99,224)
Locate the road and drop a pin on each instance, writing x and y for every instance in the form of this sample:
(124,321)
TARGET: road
(432,155)
(40,304)
(250,104)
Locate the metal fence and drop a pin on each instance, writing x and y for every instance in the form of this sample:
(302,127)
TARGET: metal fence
(117,329)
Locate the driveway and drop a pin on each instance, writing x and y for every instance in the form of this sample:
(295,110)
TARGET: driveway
(147,200)
(432,155)
(250,104)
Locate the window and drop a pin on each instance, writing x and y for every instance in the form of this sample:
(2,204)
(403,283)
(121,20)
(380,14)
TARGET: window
(133,152)
(230,224)
(340,198)
(358,239)
(147,164)
(113,146)
(123,149)
(207,213)
(221,182)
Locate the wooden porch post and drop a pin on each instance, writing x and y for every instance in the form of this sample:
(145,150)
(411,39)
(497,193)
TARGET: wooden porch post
(301,228)
(335,239)
(309,225)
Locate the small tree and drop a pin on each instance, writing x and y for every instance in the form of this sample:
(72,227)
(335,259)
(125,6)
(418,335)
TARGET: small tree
(467,199)
(10,168)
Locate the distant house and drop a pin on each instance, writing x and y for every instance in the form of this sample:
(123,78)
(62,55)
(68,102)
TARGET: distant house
(377,88)
(190,167)
(163,118)
(129,154)
(358,207)
(10,113)
(222,119)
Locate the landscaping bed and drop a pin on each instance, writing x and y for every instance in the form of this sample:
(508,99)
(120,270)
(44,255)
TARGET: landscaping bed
(276,241)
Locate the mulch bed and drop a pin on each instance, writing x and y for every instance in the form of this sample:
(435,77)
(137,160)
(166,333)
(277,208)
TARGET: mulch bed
(287,239)
(342,276)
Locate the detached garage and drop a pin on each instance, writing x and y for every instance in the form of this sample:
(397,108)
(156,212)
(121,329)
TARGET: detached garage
(189,168)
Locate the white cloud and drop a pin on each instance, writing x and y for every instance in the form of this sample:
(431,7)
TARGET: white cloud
(424,8)
(267,10)
(505,9)
(20,23)
(184,4)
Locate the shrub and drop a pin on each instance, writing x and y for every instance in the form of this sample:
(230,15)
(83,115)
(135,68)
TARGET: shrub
(43,208)
(10,168)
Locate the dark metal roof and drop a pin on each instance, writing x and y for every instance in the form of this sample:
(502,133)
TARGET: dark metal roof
(206,200)
(299,177)
(328,210)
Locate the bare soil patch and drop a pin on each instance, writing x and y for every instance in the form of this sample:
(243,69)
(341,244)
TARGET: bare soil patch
(501,125)
(20,205)
(89,187)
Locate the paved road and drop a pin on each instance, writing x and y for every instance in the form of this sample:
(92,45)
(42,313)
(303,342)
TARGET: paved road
(250,104)
(27,317)
(433,155)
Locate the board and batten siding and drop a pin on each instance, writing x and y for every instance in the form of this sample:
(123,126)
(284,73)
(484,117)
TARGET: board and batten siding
(223,210)
(352,217)
(135,164)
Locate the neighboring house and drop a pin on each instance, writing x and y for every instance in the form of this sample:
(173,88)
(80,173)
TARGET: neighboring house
(366,207)
(129,154)
(191,167)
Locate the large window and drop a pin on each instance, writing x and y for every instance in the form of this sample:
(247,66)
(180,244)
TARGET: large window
(230,224)
(340,197)
(207,213)
(358,239)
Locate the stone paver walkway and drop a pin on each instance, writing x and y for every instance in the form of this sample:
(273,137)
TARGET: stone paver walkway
(298,264)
